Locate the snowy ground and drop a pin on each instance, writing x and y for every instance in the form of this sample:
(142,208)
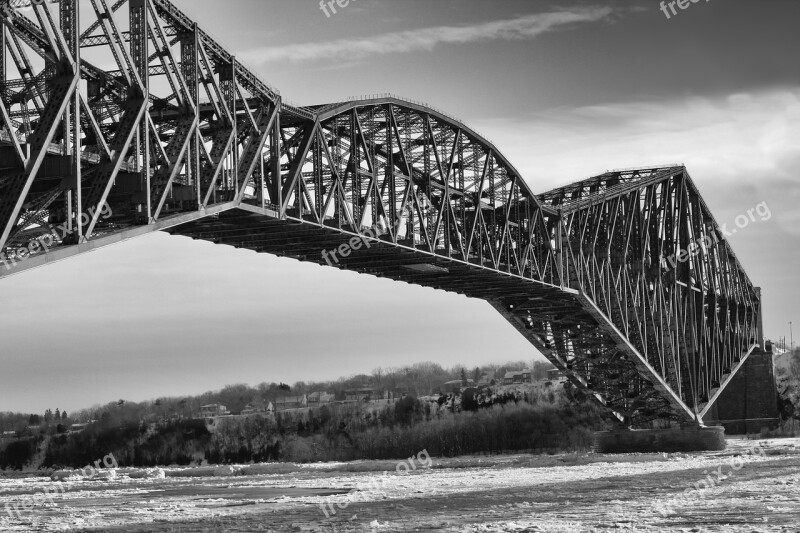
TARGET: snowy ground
(752,486)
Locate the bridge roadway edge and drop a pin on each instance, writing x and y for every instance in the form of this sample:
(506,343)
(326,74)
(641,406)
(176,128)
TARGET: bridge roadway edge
(305,241)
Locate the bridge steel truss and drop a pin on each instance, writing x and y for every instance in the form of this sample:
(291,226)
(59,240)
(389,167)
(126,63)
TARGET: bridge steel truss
(624,281)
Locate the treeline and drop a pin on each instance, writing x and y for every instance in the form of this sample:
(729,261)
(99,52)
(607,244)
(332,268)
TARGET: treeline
(178,442)
(477,421)
(420,379)
(501,428)
(18,454)
(21,423)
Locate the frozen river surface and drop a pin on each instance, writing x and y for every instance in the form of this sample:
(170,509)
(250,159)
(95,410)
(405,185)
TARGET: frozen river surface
(753,486)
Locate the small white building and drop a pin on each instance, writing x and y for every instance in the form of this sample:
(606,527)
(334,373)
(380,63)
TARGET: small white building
(318,399)
(212,410)
(291,402)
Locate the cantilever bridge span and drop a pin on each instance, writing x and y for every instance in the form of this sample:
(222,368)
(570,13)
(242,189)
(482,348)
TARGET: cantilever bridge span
(125,118)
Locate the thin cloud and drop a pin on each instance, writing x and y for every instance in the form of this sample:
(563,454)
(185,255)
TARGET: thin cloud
(426,39)
(740,149)
(720,137)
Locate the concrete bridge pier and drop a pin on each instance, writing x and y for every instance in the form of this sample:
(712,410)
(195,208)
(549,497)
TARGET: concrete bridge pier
(749,402)
(745,403)
(689,438)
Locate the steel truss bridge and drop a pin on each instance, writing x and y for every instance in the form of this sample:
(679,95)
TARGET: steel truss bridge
(127,118)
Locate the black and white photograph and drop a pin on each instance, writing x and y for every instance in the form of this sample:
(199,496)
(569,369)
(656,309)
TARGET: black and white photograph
(375,266)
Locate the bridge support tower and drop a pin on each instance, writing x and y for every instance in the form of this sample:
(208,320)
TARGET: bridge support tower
(750,402)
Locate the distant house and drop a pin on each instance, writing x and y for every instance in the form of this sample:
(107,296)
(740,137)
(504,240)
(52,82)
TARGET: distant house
(291,402)
(318,399)
(386,396)
(9,434)
(358,395)
(212,410)
(517,376)
(555,374)
(399,391)
(77,428)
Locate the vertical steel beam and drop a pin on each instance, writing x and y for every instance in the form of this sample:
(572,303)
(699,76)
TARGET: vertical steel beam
(759,319)
(3,58)
(237,141)
(190,64)
(4,115)
(139,44)
(227,83)
(70,32)
(276,184)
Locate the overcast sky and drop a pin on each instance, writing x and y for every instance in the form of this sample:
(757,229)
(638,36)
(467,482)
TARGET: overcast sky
(565,90)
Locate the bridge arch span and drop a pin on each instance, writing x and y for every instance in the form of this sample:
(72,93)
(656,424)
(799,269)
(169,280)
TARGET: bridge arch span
(422,180)
(181,137)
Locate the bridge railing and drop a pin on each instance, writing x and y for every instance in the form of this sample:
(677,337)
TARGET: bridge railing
(380,96)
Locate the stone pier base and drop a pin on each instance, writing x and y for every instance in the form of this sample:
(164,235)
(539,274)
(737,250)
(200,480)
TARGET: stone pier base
(689,439)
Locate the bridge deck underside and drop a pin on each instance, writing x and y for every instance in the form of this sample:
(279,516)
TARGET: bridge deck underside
(554,320)
(308,242)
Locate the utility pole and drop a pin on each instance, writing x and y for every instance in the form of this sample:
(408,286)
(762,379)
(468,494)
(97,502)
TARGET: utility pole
(791,338)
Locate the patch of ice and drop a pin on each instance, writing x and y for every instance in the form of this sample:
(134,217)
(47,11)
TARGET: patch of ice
(149,473)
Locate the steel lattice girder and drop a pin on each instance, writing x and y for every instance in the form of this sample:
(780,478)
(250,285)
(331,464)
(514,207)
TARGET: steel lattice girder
(180,136)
